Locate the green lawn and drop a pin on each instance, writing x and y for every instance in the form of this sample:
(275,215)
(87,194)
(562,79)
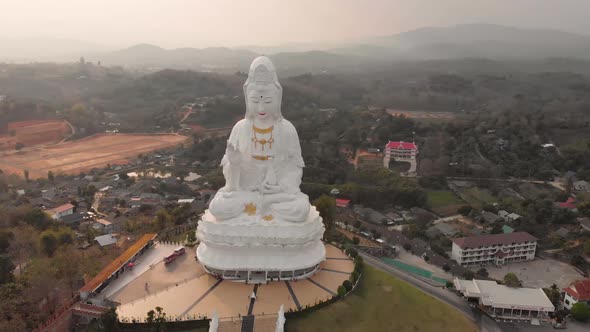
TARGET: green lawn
(441,198)
(383,303)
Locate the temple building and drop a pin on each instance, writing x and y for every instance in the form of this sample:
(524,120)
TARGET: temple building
(402,152)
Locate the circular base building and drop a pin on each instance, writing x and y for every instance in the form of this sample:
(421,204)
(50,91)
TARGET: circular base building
(255,250)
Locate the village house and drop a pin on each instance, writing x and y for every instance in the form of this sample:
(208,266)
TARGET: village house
(60,211)
(578,292)
(581,186)
(103,225)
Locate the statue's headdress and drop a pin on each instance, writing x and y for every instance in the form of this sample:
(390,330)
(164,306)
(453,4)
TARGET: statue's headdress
(263,72)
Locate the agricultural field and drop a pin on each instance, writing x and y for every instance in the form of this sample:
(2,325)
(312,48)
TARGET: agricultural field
(84,154)
(444,202)
(33,132)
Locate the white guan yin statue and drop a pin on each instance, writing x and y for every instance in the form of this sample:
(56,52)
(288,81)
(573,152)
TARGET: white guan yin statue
(260,226)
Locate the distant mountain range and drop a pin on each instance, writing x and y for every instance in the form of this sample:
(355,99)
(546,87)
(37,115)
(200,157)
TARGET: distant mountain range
(486,41)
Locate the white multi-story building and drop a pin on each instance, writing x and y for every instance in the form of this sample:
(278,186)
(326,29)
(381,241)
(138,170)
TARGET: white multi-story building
(495,249)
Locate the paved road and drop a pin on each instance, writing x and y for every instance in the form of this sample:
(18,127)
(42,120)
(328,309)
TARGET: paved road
(485,323)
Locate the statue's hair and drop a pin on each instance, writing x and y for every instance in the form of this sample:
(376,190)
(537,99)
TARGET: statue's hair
(269,76)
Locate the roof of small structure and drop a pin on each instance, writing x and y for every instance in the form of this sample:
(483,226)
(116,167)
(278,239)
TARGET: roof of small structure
(401,145)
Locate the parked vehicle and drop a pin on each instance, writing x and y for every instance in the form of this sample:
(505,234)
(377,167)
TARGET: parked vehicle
(177,252)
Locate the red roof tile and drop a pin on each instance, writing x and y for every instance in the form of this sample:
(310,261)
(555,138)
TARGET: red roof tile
(401,145)
(580,290)
(341,202)
(493,239)
(62,208)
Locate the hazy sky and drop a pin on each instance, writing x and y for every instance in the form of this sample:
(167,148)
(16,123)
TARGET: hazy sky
(200,23)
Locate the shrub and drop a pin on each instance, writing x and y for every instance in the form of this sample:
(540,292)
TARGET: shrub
(468,275)
(446,267)
(347,284)
(356,240)
(464,210)
(358,260)
(580,311)
(352,252)
(354,276)
(341,291)
(449,284)
(482,272)
(511,280)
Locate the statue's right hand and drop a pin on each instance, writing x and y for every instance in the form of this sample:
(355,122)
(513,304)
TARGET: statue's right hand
(233,154)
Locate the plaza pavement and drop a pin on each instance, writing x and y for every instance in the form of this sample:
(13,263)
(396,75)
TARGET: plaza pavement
(185,291)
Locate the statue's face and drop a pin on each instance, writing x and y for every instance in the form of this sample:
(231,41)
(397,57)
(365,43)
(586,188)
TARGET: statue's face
(263,101)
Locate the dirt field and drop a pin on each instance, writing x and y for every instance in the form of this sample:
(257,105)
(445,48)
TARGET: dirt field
(33,132)
(422,114)
(82,155)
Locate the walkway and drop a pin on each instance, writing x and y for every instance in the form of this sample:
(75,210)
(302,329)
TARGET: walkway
(200,296)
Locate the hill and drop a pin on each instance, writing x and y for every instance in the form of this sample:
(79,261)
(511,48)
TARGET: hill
(475,40)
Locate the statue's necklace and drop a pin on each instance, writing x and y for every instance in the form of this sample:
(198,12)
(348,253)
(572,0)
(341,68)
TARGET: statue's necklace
(263,141)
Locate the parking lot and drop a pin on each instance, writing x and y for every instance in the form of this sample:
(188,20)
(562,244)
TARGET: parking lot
(538,273)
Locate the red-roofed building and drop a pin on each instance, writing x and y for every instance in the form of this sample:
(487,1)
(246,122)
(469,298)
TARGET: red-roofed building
(62,210)
(578,292)
(569,204)
(401,150)
(342,203)
(495,249)
(404,152)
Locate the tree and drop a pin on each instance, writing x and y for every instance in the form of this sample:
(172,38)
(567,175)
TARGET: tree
(352,252)
(347,284)
(464,210)
(355,240)
(19,146)
(450,284)
(341,291)
(580,312)
(496,229)
(6,268)
(553,294)
(50,176)
(191,237)
(468,275)
(48,242)
(482,272)
(162,218)
(446,267)
(511,280)
(578,261)
(110,320)
(326,206)
(5,238)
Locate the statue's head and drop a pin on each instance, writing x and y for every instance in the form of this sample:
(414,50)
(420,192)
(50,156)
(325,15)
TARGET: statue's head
(263,91)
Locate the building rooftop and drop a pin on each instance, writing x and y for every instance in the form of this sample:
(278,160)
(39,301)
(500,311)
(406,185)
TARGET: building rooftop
(106,240)
(116,264)
(580,290)
(401,145)
(104,222)
(62,208)
(493,239)
(500,296)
